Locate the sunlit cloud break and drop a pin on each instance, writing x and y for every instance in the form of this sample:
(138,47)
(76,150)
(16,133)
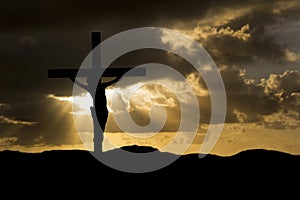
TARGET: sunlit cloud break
(81,103)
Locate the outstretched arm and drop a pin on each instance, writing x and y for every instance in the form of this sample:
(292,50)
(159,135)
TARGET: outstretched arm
(106,84)
(83,86)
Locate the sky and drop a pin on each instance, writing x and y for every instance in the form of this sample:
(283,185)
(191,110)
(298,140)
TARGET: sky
(254,44)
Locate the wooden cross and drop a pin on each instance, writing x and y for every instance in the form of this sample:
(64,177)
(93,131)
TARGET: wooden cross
(96,66)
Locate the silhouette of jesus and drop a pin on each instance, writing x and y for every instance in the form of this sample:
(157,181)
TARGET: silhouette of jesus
(100,102)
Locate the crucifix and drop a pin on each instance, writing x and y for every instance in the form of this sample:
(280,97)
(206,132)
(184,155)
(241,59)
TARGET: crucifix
(98,110)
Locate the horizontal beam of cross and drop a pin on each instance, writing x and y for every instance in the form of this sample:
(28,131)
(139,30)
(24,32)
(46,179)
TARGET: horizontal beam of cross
(108,72)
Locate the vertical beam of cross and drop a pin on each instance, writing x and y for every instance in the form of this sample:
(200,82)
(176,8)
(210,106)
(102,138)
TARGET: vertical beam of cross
(96,65)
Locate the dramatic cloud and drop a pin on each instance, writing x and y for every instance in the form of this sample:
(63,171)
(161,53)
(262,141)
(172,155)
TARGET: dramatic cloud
(242,37)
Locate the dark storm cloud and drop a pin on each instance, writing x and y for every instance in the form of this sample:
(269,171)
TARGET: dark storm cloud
(232,50)
(70,14)
(53,15)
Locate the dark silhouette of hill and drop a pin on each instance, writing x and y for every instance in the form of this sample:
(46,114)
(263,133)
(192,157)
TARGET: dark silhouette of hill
(139,149)
(70,166)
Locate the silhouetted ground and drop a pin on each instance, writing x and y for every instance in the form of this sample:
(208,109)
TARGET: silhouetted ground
(253,167)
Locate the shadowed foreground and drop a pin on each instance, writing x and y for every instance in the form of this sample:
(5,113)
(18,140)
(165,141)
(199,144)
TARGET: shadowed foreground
(263,162)
(80,168)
